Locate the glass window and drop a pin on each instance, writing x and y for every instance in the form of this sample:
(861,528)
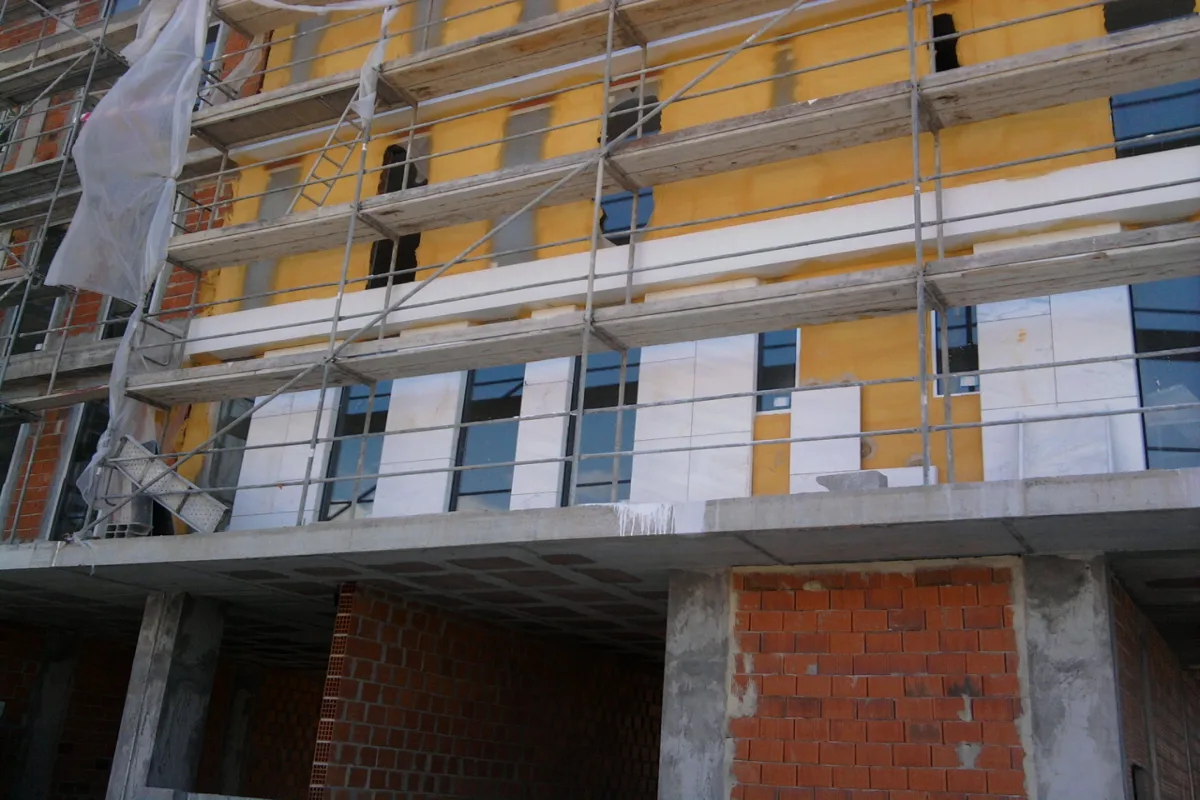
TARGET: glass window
(515,242)
(208,66)
(963,333)
(223,469)
(116,318)
(776,368)
(617,217)
(363,410)
(603,480)
(10,430)
(1166,316)
(1159,110)
(492,394)
(36,318)
(72,508)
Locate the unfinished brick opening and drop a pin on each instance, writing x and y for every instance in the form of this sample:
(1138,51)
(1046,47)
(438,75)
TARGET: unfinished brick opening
(423,703)
(887,685)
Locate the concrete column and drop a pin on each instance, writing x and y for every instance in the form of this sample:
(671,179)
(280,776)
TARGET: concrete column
(162,726)
(1073,695)
(47,710)
(696,750)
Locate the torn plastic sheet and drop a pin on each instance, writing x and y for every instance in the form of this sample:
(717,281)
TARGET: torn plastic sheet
(128,156)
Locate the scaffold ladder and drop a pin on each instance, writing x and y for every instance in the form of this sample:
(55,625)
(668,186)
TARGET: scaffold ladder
(316,189)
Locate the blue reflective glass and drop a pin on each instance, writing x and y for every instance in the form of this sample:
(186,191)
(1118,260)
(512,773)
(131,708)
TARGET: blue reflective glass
(1162,109)
(1166,316)
(492,394)
(599,476)
(358,447)
(617,212)
(776,368)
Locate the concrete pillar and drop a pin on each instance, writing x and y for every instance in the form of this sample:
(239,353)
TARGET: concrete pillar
(696,750)
(162,726)
(47,710)
(1073,695)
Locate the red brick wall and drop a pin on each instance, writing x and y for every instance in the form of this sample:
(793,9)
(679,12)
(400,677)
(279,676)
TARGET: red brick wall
(93,718)
(25,511)
(1144,660)
(20,659)
(89,734)
(424,704)
(877,685)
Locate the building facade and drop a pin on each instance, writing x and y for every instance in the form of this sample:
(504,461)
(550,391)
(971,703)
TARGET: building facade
(754,400)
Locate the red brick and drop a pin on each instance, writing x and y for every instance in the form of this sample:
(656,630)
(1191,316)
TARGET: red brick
(958,641)
(906,619)
(884,598)
(889,778)
(803,708)
(800,664)
(1002,733)
(873,755)
(1002,575)
(921,641)
(766,750)
(986,663)
(910,755)
(884,686)
(897,580)
(775,728)
(923,732)
(875,709)
(837,753)
(1002,640)
(866,620)
(811,601)
(782,685)
(966,780)
(907,663)
(993,757)
(839,708)
(848,599)
(1001,685)
(983,617)
(1006,782)
(765,621)
(811,643)
(933,577)
(929,780)
(743,727)
(948,663)
(910,708)
(838,664)
(813,685)
(958,595)
(949,708)
(845,730)
(802,752)
(814,776)
(942,619)
(849,686)
(921,597)
(778,643)
(944,756)
(758,793)
(778,601)
(923,686)
(834,621)
(884,643)
(992,708)
(749,601)
(955,732)
(852,777)
(812,730)
(871,664)
(995,595)
(800,621)
(746,772)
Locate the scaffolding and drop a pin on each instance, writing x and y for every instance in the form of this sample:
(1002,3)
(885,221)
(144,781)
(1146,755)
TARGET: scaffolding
(606,298)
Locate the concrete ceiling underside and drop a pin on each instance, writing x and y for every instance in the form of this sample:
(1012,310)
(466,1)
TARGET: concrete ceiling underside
(598,574)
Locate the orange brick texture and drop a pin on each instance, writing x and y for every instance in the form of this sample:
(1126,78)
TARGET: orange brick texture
(89,732)
(1172,706)
(31,498)
(877,686)
(421,703)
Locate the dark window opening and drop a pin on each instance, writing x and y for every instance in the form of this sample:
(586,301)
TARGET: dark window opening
(116,318)
(1159,110)
(605,479)
(10,429)
(208,65)
(37,315)
(1166,316)
(362,410)
(72,508)
(1121,15)
(397,175)
(51,241)
(1142,788)
(776,368)
(962,331)
(492,394)
(618,217)
(945,50)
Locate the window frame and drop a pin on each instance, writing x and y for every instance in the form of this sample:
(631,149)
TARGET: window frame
(759,367)
(62,470)
(628,423)
(935,356)
(361,439)
(462,432)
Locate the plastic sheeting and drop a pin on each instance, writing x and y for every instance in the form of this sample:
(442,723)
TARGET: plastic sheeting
(128,156)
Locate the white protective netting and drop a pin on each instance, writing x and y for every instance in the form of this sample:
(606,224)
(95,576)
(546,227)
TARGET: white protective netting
(128,156)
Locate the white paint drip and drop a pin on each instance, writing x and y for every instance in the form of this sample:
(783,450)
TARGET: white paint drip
(967,753)
(658,519)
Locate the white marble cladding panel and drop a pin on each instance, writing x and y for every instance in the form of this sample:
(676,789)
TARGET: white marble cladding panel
(547,390)
(422,402)
(825,412)
(1063,327)
(896,477)
(713,468)
(286,419)
(1132,190)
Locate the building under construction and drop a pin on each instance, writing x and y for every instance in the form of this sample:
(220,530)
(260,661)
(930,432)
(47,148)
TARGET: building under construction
(705,400)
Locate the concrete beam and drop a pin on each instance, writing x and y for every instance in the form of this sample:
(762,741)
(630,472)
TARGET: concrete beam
(695,749)
(162,727)
(1073,697)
